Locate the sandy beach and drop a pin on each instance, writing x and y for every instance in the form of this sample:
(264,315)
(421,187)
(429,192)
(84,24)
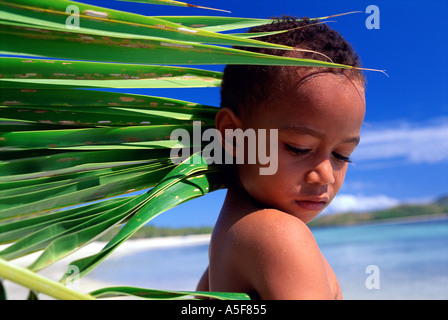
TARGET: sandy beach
(88,284)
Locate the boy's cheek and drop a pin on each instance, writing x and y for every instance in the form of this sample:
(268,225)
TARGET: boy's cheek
(339,180)
(250,177)
(257,185)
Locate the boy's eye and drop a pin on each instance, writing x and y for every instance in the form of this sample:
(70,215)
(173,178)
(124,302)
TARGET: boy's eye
(297,151)
(301,152)
(341,158)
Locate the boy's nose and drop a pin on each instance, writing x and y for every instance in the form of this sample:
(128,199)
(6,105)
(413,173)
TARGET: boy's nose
(321,174)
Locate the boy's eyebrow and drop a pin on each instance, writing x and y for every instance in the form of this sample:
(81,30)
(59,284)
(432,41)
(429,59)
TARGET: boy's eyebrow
(304,130)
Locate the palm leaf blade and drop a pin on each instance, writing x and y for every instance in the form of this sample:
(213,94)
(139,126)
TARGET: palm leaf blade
(164,294)
(39,283)
(180,185)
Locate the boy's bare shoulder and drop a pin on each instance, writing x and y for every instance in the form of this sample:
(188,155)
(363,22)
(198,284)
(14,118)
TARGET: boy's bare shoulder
(279,256)
(271,227)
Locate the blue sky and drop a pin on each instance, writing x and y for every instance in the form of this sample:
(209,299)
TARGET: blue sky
(403,155)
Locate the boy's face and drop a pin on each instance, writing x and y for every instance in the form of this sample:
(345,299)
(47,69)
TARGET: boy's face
(318,128)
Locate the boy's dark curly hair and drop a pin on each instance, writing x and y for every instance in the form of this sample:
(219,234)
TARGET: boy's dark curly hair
(245,86)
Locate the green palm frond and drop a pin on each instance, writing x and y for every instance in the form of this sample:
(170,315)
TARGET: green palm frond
(174,3)
(66,154)
(163,294)
(19,73)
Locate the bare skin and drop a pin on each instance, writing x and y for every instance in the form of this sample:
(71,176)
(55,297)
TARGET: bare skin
(261,244)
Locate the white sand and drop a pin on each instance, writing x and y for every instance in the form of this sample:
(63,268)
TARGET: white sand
(88,284)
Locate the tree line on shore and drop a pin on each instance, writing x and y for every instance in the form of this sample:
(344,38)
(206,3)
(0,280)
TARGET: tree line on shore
(437,208)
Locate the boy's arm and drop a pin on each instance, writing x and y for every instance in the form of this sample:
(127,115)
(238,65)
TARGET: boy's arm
(203,284)
(333,280)
(281,259)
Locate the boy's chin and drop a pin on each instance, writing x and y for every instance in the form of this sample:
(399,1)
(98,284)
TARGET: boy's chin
(303,211)
(306,210)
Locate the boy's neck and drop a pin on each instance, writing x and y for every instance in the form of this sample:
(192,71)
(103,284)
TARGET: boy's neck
(239,202)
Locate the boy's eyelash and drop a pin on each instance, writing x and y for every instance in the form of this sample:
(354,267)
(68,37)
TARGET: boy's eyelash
(298,151)
(341,157)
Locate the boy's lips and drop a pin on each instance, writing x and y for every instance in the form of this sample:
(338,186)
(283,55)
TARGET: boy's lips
(312,204)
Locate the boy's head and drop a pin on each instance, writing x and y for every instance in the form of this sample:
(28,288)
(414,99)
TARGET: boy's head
(317,113)
(245,87)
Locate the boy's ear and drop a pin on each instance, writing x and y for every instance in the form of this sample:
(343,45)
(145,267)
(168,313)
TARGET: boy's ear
(227,119)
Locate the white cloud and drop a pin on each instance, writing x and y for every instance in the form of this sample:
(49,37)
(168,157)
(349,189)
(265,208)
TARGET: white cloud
(414,143)
(360,203)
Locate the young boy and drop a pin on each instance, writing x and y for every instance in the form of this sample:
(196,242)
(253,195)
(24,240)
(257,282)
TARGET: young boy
(261,244)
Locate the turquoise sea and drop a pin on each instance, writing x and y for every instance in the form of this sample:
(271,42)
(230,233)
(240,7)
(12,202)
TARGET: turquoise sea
(401,260)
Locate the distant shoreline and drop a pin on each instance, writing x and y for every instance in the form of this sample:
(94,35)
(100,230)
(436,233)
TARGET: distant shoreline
(399,220)
(207,231)
(329,220)
(400,214)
